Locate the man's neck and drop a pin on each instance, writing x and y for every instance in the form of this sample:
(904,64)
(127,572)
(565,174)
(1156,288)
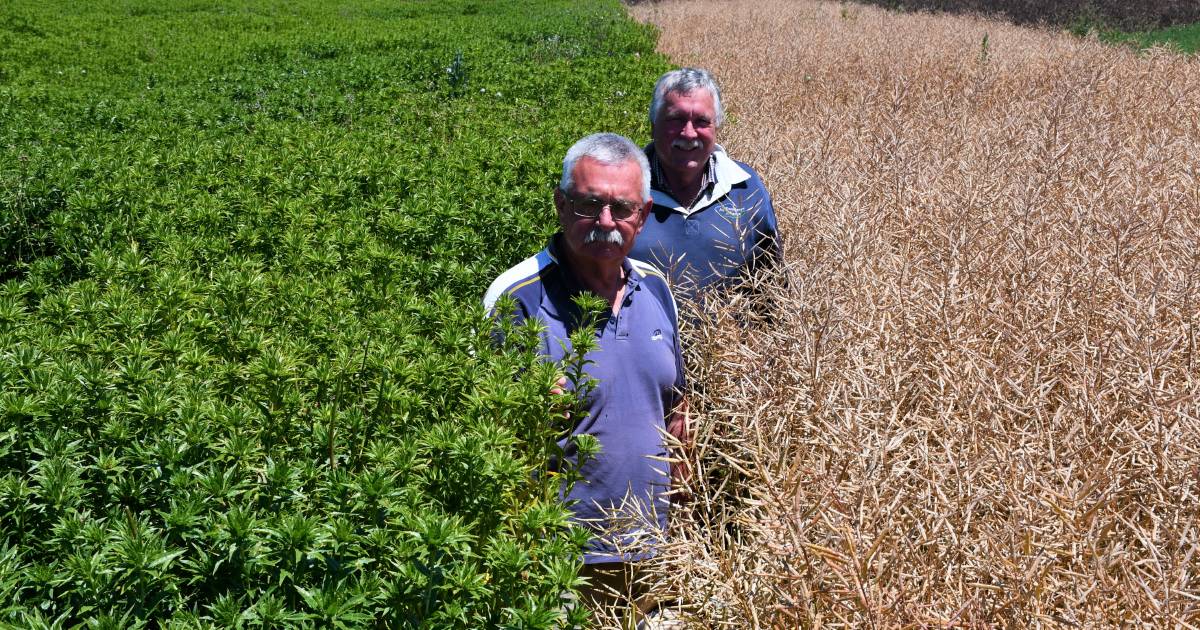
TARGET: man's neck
(605,280)
(684,186)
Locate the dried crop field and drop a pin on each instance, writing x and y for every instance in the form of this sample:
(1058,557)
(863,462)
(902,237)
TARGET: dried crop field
(979,402)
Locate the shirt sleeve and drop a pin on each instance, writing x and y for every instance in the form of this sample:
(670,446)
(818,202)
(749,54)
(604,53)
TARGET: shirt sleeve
(768,248)
(516,317)
(680,372)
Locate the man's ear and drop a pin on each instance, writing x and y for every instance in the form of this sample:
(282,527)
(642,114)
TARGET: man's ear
(643,214)
(561,208)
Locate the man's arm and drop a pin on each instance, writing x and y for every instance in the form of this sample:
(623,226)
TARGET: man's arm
(766,256)
(679,426)
(768,247)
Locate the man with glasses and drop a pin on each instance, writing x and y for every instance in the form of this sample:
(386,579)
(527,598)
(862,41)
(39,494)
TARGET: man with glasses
(602,202)
(712,219)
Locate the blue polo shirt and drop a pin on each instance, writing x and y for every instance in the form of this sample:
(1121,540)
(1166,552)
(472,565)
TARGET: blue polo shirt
(639,376)
(729,231)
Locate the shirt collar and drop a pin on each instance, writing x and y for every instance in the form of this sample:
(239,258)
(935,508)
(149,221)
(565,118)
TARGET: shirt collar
(723,174)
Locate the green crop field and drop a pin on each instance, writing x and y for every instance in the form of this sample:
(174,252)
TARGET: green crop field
(1185,36)
(244,376)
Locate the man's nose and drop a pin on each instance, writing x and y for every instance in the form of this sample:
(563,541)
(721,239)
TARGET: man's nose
(689,130)
(605,218)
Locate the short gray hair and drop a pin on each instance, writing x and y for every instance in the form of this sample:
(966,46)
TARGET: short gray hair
(606,148)
(686,81)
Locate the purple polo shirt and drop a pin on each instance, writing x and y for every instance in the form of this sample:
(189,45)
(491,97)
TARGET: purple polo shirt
(639,377)
(728,232)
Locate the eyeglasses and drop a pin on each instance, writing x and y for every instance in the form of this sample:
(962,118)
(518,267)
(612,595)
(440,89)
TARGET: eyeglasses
(590,207)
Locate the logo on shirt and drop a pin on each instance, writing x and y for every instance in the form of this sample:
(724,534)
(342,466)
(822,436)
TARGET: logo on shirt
(731,212)
(656,335)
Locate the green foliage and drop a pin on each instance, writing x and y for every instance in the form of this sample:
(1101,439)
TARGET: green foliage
(1185,37)
(244,377)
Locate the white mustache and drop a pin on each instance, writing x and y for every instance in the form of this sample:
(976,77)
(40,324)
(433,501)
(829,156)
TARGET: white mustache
(604,236)
(686,145)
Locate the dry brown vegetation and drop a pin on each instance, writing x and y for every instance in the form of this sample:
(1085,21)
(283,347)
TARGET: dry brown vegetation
(979,402)
(1138,15)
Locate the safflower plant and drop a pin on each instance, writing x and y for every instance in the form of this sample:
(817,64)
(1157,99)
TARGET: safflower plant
(245,377)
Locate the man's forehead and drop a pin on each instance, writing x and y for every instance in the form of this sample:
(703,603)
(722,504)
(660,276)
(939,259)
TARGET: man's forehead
(699,91)
(671,99)
(623,182)
(592,171)
(695,93)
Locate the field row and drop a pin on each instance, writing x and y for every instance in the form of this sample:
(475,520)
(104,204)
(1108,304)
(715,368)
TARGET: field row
(246,378)
(978,400)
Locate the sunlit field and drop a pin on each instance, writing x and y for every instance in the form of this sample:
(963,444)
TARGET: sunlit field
(975,401)
(246,379)
(1186,37)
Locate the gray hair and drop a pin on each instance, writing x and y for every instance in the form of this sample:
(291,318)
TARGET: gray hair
(606,148)
(686,81)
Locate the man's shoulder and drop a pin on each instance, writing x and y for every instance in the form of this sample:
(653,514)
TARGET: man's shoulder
(656,282)
(749,169)
(750,189)
(647,272)
(750,177)
(522,282)
(739,181)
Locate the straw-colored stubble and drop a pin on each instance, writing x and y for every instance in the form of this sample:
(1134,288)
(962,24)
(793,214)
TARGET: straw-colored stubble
(978,402)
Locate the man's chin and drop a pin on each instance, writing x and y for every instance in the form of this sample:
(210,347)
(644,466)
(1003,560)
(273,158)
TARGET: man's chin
(691,162)
(603,251)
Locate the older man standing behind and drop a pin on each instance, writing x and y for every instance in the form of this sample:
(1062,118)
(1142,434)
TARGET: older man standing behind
(712,219)
(602,202)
